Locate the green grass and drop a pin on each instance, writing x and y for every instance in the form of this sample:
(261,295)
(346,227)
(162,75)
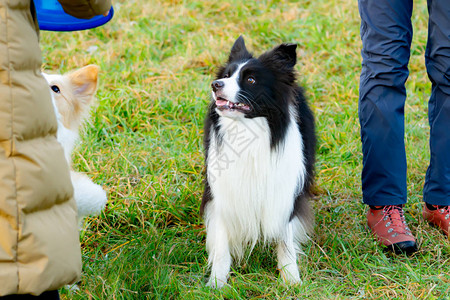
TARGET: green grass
(144,145)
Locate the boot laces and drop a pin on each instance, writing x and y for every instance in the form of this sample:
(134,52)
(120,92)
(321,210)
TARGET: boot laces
(444,209)
(396,219)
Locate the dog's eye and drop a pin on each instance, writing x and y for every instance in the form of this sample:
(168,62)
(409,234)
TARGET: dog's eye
(251,80)
(56,89)
(226,76)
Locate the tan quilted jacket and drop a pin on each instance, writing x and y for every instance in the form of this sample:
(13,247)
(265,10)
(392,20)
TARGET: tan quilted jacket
(39,245)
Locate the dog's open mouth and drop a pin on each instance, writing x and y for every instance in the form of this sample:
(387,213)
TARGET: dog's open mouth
(223,104)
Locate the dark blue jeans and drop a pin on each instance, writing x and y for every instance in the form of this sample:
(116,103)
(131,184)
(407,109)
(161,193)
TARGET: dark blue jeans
(51,295)
(386,34)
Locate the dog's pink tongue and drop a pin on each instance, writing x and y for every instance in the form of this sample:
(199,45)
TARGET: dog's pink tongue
(221,102)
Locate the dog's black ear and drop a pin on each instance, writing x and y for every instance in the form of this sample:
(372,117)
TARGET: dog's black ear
(239,51)
(285,54)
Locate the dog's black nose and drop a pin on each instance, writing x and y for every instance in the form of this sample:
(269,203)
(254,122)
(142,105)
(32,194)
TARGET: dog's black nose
(216,85)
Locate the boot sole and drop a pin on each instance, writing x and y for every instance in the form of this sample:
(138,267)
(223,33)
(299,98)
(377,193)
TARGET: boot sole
(407,247)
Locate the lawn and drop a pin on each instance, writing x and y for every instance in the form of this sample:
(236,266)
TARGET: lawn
(143,143)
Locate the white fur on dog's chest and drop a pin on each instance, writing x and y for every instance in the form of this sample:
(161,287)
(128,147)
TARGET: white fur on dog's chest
(253,186)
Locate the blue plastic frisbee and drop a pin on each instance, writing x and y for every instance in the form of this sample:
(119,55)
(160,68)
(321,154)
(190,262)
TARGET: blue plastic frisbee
(51,17)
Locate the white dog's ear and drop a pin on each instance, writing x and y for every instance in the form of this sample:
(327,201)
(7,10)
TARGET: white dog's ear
(84,82)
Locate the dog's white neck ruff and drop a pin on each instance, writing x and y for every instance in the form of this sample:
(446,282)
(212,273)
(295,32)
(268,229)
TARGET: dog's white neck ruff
(253,185)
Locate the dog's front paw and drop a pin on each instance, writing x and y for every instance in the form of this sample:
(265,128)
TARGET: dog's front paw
(216,283)
(290,276)
(90,197)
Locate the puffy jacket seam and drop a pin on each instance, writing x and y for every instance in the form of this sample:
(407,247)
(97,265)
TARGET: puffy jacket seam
(12,139)
(42,136)
(49,207)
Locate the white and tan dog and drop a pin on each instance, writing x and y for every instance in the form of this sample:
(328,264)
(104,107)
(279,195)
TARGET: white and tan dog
(72,95)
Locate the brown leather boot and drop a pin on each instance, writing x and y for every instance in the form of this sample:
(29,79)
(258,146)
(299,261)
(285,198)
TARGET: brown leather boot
(389,227)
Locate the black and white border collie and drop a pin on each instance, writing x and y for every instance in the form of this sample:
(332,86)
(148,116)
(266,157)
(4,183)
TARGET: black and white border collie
(259,153)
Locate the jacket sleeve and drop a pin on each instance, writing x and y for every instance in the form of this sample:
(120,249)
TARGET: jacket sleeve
(85,9)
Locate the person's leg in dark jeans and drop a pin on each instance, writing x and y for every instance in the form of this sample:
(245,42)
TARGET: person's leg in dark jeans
(50,295)
(386,34)
(436,192)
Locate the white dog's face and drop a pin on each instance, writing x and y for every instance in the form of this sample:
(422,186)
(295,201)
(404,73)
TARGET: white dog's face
(72,94)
